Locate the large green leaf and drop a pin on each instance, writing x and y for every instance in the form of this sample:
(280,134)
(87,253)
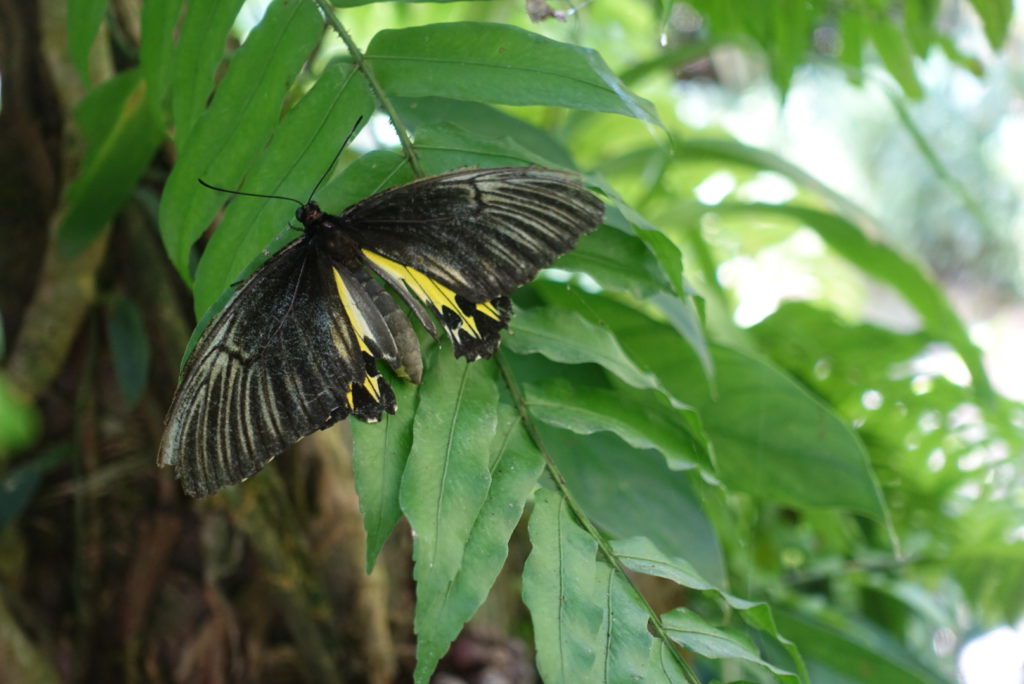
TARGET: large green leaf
(483,120)
(770,436)
(156,49)
(641,555)
(623,642)
(445,485)
(121,134)
(559,589)
(445,146)
(896,54)
(85,16)
(663,665)
(996,15)
(632,493)
(640,419)
(773,438)
(618,261)
(515,466)
(244,112)
(676,303)
(499,64)
(202,39)
(567,337)
(838,650)
(690,630)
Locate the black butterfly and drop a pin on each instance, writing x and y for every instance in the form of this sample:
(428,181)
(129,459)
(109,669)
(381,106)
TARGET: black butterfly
(295,349)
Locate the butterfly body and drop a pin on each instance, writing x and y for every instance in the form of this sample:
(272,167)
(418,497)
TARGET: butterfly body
(295,349)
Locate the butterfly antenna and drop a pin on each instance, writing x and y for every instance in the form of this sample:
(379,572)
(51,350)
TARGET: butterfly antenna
(348,139)
(247,194)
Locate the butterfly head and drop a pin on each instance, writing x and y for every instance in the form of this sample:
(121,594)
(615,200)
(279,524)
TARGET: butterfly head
(308,213)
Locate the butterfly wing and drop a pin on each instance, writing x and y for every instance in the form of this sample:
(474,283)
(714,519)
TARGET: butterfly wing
(462,241)
(281,360)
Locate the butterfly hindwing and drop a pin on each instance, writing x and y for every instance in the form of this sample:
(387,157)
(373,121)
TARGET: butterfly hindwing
(280,361)
(474,328)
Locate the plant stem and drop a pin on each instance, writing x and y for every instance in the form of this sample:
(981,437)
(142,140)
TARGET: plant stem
(359,59)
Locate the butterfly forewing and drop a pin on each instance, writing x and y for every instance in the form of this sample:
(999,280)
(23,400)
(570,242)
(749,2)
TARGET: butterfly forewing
(462,241)
(280,361)
(480,232)
(295,349)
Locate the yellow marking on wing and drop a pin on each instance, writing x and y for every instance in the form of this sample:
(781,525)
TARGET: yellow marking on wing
(429,290)
(355,317)
(488,309)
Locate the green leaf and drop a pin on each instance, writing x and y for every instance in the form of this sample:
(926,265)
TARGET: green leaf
(679,309)
(156,49)
(641,555)
(484,121)
(773,439)
(662,665)
(918,19)
(515,466)
(235,128)
(301,151)
(200,49)
(995,15)
(85,16)
(445,146)
(121,135)
(896,54)
(499,64)
(839,650)
(566,337)
(770,436)
(644,422)
(559,590)
(691,631)
(852,27)
(129,348)
(368,175)
(379,457)
(623,642)
(445,485)
(618,261)
(630,493)
(791,25)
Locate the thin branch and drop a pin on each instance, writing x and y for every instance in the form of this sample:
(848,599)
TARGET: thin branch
(359,60)
(581,517)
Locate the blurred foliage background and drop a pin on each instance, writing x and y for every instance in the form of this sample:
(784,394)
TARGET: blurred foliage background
(830,428)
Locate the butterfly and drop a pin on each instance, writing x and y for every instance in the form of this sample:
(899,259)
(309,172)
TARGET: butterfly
(295,349)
